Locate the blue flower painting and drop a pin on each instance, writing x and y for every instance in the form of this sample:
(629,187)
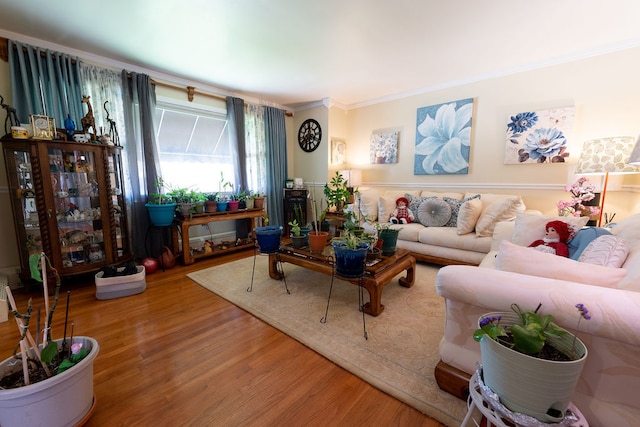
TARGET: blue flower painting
(383,147)
(539,136)
(443,135)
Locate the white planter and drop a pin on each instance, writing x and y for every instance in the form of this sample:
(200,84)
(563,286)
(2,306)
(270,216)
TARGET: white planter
(62,400)
(527,384)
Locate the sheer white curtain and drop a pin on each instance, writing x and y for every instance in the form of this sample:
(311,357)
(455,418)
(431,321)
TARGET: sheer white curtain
(256,151)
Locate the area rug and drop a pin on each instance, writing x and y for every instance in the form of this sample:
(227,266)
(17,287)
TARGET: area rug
(402,346)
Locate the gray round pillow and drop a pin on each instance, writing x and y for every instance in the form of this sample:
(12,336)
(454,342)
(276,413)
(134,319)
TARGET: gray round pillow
(434,213)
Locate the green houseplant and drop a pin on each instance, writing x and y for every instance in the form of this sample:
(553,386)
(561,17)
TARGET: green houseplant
(529,362)
(350,252)
(388,236)
(161,207)
(57,386)
(298,240)
(336,191)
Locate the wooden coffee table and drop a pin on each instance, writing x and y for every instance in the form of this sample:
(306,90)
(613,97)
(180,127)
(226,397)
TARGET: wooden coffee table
(377,274)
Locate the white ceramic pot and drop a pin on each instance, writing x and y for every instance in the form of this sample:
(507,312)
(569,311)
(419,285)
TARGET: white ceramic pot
(527,384)
(62,400)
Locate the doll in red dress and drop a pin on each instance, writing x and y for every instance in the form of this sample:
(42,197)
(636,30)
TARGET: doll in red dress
(555,239)
(401,214)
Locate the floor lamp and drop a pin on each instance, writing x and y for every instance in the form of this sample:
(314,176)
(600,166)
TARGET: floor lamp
(606,156)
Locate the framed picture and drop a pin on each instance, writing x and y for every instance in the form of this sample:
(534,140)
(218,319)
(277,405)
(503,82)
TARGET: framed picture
(338,151)
(443,138)
(43,127)
(383,146)
(544,136)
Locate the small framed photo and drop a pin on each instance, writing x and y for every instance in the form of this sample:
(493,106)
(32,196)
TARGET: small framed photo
(43,127)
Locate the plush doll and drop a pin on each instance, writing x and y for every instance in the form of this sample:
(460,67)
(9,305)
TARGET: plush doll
(401,214)
(555,239)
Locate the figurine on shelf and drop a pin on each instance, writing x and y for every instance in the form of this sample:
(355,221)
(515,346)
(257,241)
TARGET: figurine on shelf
(88,121)
(113,139)
(12,117)
(70,126)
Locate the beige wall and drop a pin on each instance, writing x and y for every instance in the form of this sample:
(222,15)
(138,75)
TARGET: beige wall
(603,89)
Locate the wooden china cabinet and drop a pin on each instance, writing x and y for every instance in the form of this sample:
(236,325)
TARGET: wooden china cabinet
(68,201)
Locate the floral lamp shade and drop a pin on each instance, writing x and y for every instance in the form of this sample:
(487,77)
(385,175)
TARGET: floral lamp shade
(606,155)
(634,158)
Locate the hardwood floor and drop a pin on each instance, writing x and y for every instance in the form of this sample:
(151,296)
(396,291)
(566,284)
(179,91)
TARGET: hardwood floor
(178,354)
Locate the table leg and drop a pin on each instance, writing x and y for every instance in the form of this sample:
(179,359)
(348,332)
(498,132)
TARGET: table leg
(409,279)
(374,307)
(273,267)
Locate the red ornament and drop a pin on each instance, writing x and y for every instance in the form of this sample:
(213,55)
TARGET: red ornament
(150,265)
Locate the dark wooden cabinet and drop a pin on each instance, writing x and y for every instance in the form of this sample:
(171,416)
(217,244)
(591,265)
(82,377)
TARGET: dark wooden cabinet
(67,200)
(293,198)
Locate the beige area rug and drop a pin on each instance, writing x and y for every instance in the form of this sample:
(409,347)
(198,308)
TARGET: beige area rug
(402,349)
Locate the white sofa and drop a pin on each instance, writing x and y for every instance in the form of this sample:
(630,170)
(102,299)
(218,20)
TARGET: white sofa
(466,239)
(607,391)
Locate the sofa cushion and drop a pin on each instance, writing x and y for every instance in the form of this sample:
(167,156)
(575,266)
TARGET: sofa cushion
(518,259)
(409,232)
(582,239)
(434,212)
(367,200)
(530,227)
(448,237)
(416,201)
(441,194)
(629,230)
(455,209)
(609,251)
(504,208)
(468,215)
(386,206)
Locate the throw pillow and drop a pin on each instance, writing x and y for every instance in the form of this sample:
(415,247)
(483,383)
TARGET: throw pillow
(386,206)
(468,216)
(582,239)
(504,209)
(434,212)
(530,226)
(610,251)
(518,259)
(455,209)
(416,201)
(368,199)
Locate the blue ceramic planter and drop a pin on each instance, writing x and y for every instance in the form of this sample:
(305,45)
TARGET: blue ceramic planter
(268,238)
(161,215)
(350,262)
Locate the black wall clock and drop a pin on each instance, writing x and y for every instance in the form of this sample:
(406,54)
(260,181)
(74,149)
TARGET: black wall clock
(309,135)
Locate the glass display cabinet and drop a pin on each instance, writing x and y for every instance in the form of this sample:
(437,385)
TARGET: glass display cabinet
(68,201)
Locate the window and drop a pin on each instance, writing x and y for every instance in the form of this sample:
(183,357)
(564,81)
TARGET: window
(193,145)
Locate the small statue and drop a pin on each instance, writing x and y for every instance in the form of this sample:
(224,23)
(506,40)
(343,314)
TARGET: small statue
(113,131)
(12,117)
(88,121)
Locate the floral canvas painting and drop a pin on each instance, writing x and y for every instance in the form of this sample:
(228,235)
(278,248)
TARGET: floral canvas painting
(539,136)
(443,137)
(384,146)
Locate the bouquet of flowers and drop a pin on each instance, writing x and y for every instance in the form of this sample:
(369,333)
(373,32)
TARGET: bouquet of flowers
(581,191)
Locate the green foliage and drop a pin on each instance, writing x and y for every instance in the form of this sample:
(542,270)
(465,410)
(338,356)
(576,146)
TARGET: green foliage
(295,227)
(72,360)
(336,191)
(352,240)
(529,337)
(49,352)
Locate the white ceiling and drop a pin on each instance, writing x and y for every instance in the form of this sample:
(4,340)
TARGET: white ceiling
(353,52)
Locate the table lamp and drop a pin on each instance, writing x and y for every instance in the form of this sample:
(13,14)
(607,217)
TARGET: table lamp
(606,156)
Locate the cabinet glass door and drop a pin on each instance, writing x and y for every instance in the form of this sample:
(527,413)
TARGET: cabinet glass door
(24,201)
(76,196)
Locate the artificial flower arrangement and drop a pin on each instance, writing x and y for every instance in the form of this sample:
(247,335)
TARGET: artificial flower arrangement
(581,191)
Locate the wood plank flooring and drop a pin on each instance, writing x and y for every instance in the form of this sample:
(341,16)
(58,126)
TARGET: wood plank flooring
(179,355)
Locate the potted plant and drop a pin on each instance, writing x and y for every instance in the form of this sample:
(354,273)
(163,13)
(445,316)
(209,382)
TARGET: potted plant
(258,200)
(317,237)
(63,395)
(161,207)
(184,198)
(529,362)
(250,200)
(389,238)
(199,200)
(298,240)
(350,252)
(336,192)
(234,202)
(268,238)
(211,204)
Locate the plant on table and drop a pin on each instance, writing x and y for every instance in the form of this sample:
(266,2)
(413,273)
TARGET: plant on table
(295,228)
(159,197)
(336,191)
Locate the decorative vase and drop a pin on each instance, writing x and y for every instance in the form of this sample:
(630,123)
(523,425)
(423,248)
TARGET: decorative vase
(161,215)
(64,399)
(258,202)
(530,385)
(268,238)
(222,206)
(318,240)
(389,239)
(299,242)
(211,206)
(350,262)
(233,205)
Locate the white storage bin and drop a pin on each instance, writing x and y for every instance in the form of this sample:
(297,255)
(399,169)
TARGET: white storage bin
(120,286)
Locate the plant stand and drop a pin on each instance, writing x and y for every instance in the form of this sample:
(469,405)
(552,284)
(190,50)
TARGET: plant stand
(480,408)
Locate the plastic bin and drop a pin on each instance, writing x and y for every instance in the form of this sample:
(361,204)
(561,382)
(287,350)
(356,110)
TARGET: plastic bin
(120,286)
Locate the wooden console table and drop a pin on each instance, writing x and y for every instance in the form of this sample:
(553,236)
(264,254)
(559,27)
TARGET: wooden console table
(376,276)
(205,218)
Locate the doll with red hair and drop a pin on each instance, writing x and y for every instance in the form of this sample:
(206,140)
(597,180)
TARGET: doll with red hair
(557,234)
(401,214)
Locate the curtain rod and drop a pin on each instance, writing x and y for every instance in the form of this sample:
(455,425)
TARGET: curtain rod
(191,90)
